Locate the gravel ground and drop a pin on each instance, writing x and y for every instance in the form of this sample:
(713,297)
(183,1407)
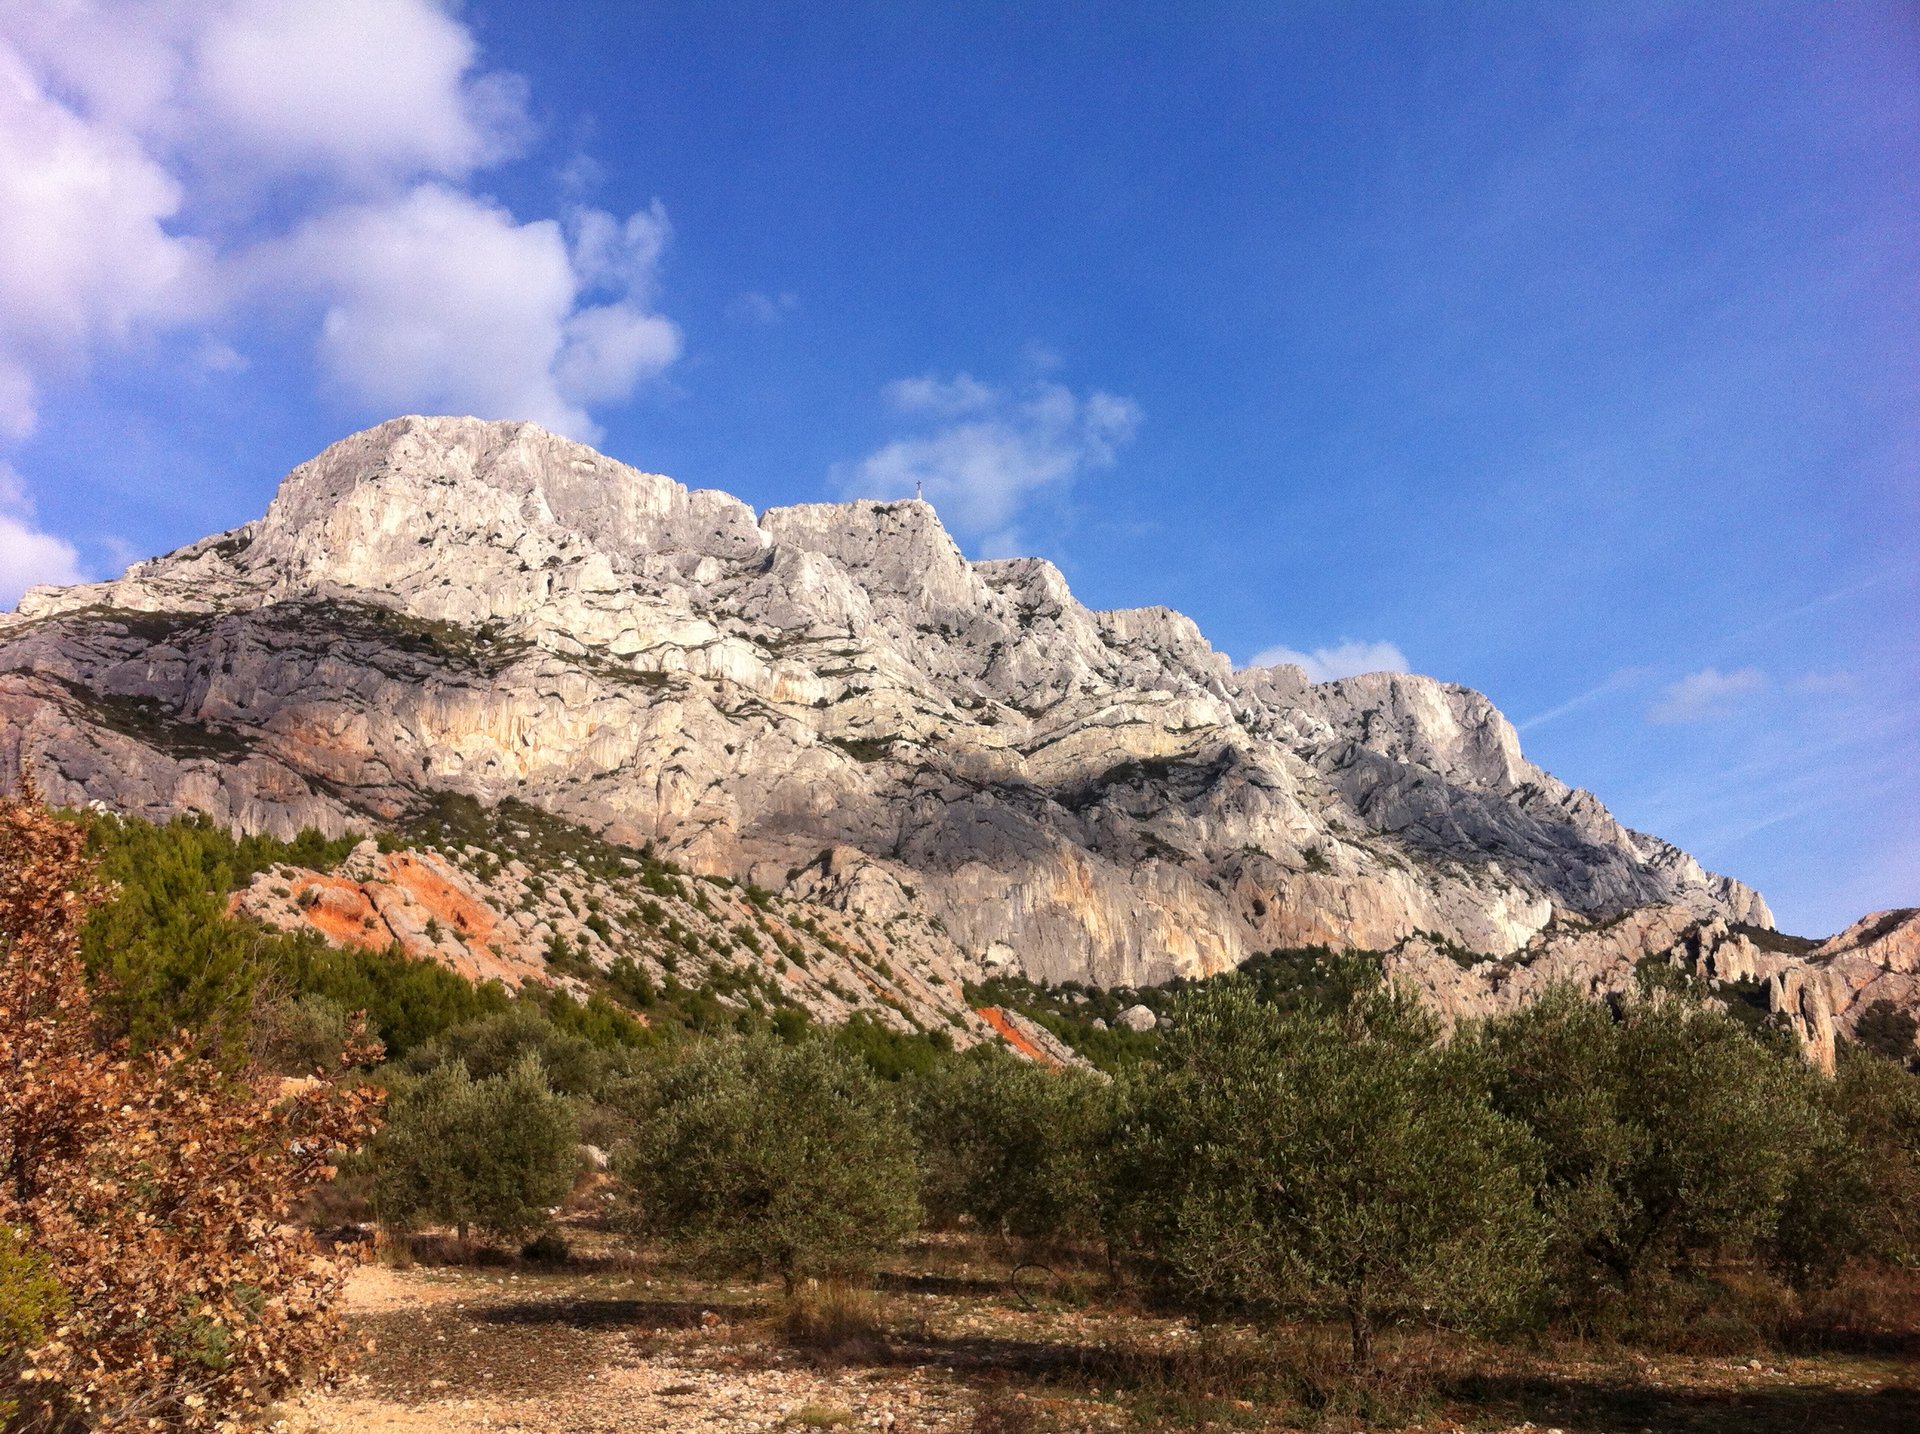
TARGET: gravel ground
(607,1347)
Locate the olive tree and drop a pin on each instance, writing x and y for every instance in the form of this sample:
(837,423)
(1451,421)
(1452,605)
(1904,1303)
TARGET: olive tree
(1669,1132)
(757,1156)
(1342,1162)
(1856,1187)
(1017,1147)
(497,1153)
(493,1044)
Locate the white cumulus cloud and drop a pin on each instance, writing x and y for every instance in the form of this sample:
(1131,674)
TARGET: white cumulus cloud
(1706,695)
(438,300)
(1345,658)
(353,92)
(85,254)
(27,555)
(172,163)
(989,449)
(366,90)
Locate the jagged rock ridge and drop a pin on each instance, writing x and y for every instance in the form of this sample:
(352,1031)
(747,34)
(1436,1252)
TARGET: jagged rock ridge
(827,693)
(1819,991)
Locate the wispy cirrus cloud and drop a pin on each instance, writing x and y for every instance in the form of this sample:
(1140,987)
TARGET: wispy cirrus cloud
(1707,695)
(1616,681)
(761,310)
(989,450)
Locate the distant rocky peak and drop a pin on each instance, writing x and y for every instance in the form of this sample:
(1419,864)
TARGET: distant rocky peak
(387,507)
(1441,726)
(899,549)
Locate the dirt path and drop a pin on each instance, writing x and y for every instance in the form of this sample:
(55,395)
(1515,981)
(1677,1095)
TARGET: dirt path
(457,1353)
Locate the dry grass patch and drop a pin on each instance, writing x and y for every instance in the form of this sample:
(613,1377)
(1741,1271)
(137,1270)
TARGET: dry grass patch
(836,1324)
(820,1416)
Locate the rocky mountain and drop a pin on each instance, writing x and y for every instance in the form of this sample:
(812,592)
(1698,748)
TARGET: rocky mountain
(826,701)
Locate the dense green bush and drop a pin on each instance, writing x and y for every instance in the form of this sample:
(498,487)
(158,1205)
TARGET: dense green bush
(754,1155)
(165,956)
(297,1034)
(407,1001)
(1017,1147)
(494,1044)
(1335,1162)
(30,1302)
(1888,1031)
(1876,1103)
(891,1054)
(494,1154)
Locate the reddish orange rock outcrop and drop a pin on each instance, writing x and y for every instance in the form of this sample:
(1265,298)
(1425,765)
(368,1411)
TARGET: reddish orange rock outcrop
(417,900)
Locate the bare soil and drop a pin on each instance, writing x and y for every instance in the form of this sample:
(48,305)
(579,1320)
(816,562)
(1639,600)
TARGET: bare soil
(617,1340)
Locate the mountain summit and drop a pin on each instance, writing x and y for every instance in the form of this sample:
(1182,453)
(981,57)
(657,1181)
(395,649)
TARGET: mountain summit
(827,697)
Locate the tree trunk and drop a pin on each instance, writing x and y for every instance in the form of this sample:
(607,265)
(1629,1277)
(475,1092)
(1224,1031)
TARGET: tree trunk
(1360,1330)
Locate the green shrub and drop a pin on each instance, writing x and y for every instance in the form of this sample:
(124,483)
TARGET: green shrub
(1877,1104)
(164,954)
(407,1001)
(297,1035)
(1886,1030)
(495,1044)
(763,1157)
(31,1300)
(892,1054)
(630,982)
(1670,1133)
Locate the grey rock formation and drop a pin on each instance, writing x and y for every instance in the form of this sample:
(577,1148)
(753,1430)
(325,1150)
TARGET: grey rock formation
(828,700)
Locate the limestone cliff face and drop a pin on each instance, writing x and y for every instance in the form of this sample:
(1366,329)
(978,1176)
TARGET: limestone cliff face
(829,696)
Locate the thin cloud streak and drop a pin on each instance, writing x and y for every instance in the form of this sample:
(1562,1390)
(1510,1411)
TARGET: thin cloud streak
(1623,678)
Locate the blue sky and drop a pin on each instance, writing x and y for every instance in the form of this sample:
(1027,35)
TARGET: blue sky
(1567,352)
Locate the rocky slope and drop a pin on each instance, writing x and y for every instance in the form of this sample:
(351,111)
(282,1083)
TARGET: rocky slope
(513,896)
(827,698)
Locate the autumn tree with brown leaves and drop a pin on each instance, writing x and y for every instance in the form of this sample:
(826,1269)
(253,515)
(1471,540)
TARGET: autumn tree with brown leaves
(151,1196)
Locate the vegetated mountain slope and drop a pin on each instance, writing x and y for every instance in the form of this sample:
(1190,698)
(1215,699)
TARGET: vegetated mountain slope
(510,894)
(828,696)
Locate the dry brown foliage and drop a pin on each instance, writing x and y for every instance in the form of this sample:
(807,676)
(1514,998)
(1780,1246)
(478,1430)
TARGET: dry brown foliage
(157,1190)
